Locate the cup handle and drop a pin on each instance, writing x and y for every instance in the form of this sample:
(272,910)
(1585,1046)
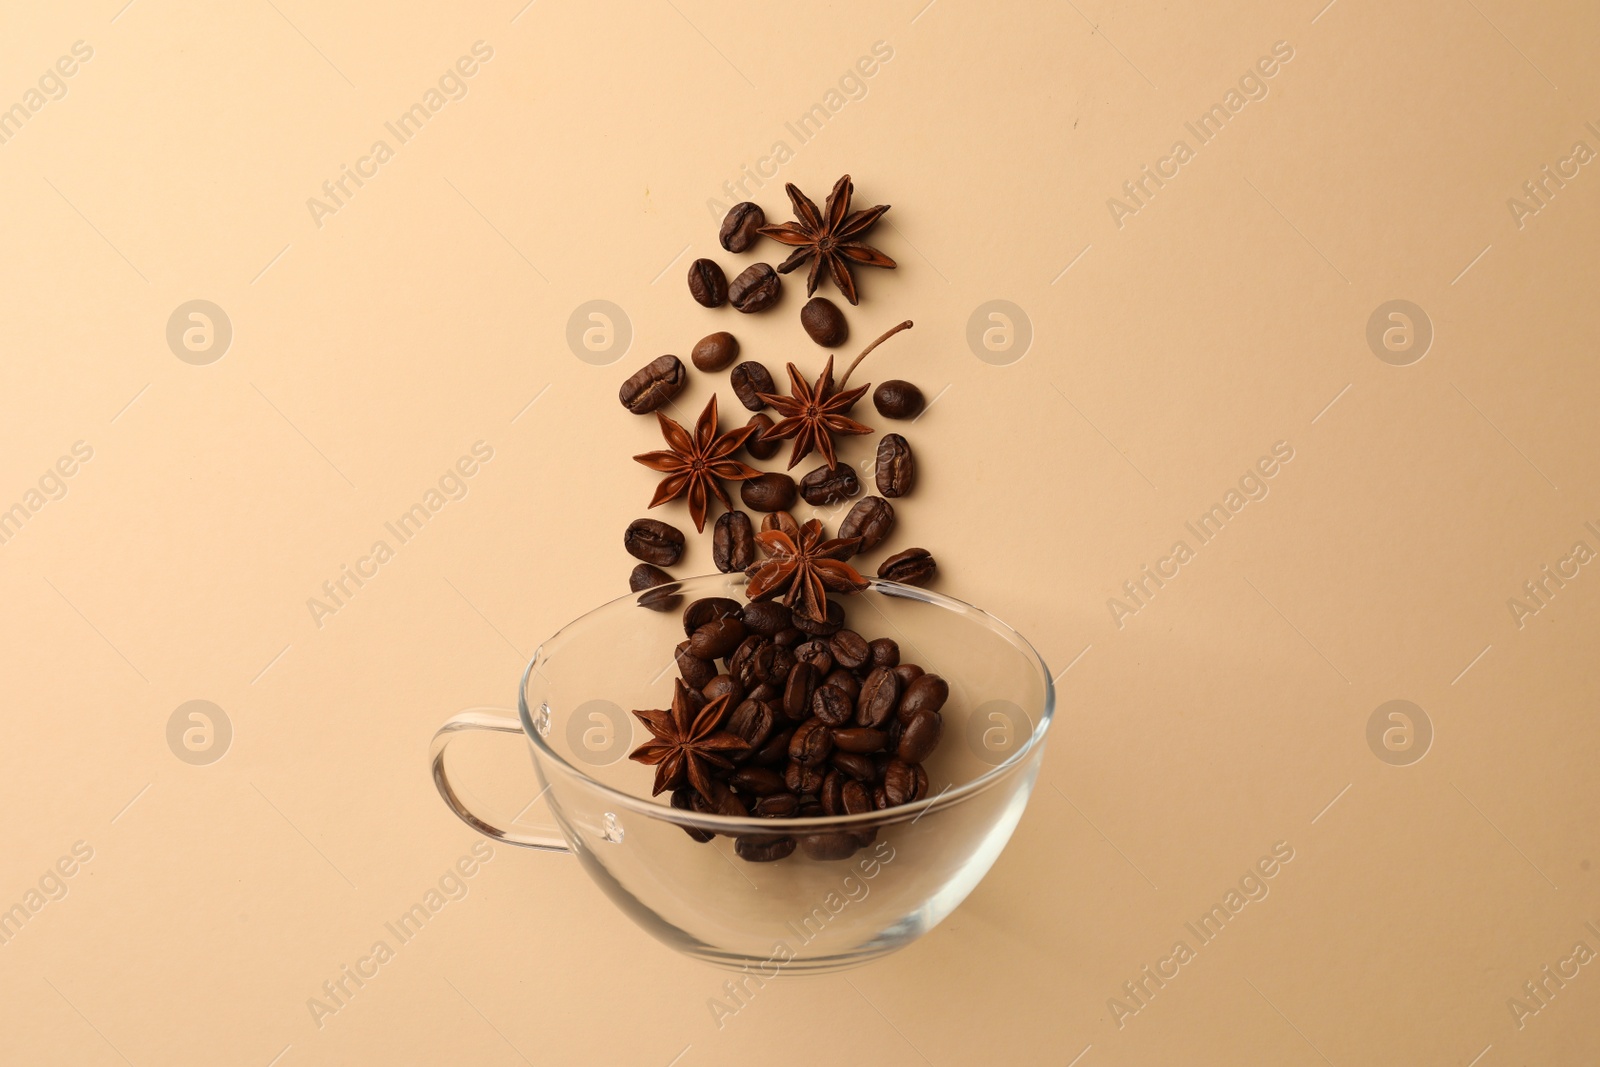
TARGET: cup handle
(549,840)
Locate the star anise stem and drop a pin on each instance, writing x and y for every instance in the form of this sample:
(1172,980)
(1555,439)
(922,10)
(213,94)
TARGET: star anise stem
(906,325)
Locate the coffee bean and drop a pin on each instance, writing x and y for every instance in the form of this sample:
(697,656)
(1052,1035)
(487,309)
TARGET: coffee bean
(797,690)
(832,795)
(872,520)
(765,617)
(788,637)
(896,470)
(857,798)
(811,743)
(839,845)
(829,485)
(739,227)
(914,566)
(852,764)
(756,288)
(722,801)
(880,799)
(904,782)
(777,806)
(757,781)
(653,541)
(845,682)
(742,663)
(752,722)
(749,379)
(896,399)
(762,848)
(733,542)
(754,445)
(880,696)
(765,692)
(907,673)
(783,522)
(775,753)
(859,739)
(818,655)
(707,284)
(850,649)
(831,706)
(663,596)
(683,800)
(706,609)
(919,736)
(723,685)
(715,351)
(802,778)
(717,638)
(770,492)
(822,629)
(653,384)
(824,323)
(885,652)
(695,672)
(927,693)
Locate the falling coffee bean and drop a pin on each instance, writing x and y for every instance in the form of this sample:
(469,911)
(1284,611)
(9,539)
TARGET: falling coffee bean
(653,384)
(715,351)
(914,566)
(654,542)
(755,289)
(897,470)
(770,492)
(824,323)
(739,227)
(749,379)
(754,445)
(872,520)
(733,542)
(663,596)
(707,284)
(896,399)
(830,485)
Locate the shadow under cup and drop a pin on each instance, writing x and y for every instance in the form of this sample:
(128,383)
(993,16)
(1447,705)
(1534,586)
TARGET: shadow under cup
(917,862)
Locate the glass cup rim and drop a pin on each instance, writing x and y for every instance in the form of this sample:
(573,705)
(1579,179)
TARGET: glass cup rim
(736,824)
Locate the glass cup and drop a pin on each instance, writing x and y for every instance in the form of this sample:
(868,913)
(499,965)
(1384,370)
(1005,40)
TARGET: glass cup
(908,867)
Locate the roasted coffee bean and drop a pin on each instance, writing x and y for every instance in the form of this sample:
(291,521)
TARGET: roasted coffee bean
(756,781)
(797,690)
(880,696)
(749,379)
(817,653)
(788,637)
(896,728)
(707,284)
(777,806)
(733,542)
(764,617)
(775,671)
(927,693)
(914,566)
(907,673)
(834,621)
(896,399)
(763,666)
(831,706)
(885,652)
(739,227)
(824,323)
(653,385)
(653,541)
(850,649)
(802,778)
(663,594)
(762,848)
(838,845)
(845,682)
(714,351)
(830,485)
(857,799)
(862,740)
(751,722)
(706,609)
(775,753)
(896,470)
(919,737)
(683,800)
(904,782)
(758,448)
(766,692)
(723,685)
(784,523)
(832,796)
(852,764)
(717,638)
(811,743)
(773,491)
(741,663)
(756,288)
(880,799)
(723,801)
(694,671)
(872,520)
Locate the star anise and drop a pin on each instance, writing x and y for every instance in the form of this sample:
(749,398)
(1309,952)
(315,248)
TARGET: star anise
(805,571)
(812,414)
(827,237)
(686,741)
(695,464)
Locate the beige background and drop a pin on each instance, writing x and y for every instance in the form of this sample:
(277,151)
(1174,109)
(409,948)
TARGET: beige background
(1228,314)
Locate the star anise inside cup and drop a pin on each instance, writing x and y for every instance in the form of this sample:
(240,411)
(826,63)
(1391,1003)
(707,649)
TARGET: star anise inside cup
(829,237)
(687,740)
(696,464)
(804,571)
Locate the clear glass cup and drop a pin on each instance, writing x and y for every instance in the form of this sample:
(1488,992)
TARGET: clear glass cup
(916,862)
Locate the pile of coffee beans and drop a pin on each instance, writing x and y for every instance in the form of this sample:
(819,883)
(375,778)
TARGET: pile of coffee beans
(832,723)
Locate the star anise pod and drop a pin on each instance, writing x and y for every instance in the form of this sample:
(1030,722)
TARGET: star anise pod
(804,571)
(686,741)
(828,236)
(812,414)
(695,464)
